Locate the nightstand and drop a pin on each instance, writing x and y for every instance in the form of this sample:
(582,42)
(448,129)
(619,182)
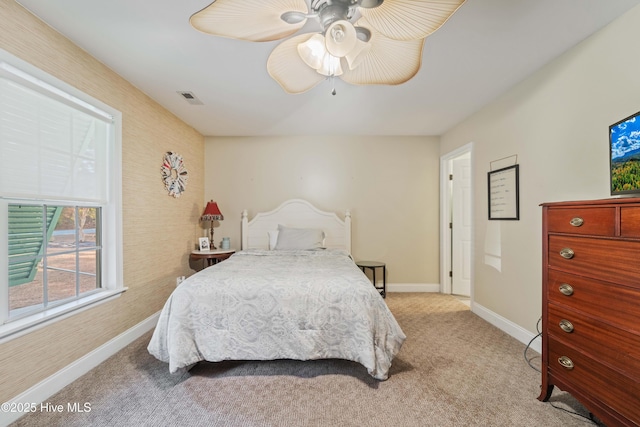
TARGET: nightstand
(212,257)
(373,265)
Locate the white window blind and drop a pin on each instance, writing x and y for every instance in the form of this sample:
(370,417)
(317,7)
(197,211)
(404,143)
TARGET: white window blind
(51,145)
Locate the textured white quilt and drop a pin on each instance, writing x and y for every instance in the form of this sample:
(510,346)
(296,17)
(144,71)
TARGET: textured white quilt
(267,305)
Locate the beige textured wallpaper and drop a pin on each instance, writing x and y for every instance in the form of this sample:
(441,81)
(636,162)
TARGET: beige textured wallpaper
(159,230)
(390,184)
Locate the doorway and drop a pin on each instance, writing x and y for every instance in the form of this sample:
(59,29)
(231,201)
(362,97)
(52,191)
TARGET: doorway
(456,213)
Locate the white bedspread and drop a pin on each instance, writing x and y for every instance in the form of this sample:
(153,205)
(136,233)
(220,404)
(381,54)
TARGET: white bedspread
(267,305)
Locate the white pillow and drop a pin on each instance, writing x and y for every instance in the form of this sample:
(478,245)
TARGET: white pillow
(273,239)
(299,238)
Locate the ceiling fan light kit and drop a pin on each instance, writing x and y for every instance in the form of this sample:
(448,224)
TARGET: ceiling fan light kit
(363,42)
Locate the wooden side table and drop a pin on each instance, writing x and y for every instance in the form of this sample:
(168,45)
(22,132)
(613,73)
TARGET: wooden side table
(373,265)
(212,257)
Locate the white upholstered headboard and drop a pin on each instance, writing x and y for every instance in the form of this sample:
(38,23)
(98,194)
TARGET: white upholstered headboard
(296,213)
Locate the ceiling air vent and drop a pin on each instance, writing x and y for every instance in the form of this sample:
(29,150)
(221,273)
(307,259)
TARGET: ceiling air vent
(190,98)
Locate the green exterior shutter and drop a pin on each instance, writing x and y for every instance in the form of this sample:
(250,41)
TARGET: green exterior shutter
(26,244)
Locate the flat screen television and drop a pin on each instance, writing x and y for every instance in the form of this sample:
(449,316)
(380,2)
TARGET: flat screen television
(624,156)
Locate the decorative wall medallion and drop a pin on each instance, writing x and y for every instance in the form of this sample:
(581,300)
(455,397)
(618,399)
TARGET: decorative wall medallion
(174,174)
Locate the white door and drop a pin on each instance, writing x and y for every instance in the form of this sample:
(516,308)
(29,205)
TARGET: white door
(461,226)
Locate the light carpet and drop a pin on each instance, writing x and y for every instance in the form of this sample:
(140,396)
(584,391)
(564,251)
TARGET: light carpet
(454,369)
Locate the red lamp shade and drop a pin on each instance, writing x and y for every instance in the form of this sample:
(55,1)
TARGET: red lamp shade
(211,212)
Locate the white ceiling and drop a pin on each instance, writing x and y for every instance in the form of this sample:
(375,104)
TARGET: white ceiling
(485,48)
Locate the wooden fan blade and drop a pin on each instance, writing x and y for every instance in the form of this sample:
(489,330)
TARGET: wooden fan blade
(252,20)
(287,67)
(410,19)
(388,61)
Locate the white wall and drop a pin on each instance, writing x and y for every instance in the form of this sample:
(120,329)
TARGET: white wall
(390,184)
(556,122)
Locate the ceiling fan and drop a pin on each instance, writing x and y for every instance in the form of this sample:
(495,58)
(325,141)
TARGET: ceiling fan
(360,41)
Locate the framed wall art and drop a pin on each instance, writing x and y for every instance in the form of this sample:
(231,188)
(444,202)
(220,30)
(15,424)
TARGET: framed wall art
(203,243)
(504,193)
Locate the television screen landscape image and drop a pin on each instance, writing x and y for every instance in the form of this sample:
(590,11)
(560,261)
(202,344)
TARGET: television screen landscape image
(624,143)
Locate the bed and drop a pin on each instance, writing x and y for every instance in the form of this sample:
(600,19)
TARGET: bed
(292,292)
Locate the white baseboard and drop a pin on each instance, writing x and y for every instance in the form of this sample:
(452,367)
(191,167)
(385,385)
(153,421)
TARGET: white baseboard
(413,287)
(516,331)
(48,387)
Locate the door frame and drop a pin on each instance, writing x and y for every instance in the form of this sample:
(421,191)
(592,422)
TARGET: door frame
(445,215)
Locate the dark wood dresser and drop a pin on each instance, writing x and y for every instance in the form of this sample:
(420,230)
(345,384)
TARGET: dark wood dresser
(591,306)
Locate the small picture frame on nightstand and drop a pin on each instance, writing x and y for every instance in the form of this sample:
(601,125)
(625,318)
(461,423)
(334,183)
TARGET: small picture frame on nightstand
(203,243)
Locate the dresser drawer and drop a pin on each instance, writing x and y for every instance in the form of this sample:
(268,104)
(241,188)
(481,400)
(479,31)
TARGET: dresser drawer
(630,221)
(594,221)
(607,259)
(594,338)
(618,305)
(587,375)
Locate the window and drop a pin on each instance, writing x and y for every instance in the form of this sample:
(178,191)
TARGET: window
(60,228)
(54,254)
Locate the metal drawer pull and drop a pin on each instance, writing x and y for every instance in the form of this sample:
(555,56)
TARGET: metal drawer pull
(577,221)
(567,253)
(566,289)
(566,326)
(565,362)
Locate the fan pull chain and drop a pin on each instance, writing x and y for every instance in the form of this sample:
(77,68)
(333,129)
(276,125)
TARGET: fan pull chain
(333,85)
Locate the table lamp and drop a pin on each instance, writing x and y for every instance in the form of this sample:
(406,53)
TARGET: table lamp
(211,213)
